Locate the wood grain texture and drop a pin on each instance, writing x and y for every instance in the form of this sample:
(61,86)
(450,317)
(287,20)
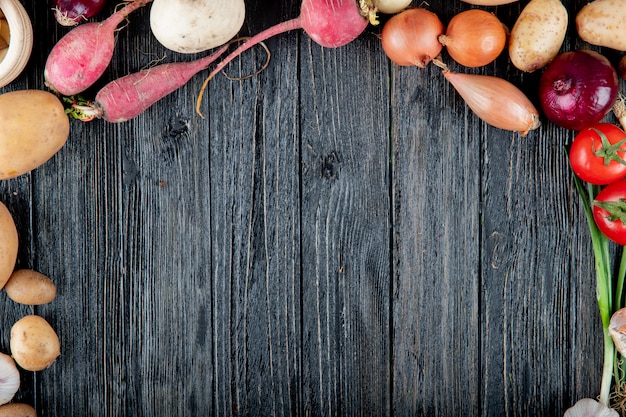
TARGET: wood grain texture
(338,236)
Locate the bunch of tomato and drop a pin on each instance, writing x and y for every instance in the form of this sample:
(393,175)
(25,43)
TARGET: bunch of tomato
(598,156)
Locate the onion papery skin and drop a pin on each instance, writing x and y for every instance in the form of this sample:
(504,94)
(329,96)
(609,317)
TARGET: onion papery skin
(474,38)
(496,101)
(73,12)
(411,37)
(578,88)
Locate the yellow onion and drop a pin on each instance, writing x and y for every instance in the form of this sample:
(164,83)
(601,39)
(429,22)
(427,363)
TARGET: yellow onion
(474,38)
(495,101)
(410,38)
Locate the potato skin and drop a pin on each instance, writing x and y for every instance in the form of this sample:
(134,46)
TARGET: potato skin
(537,35)
(34,343)
(8,244)
(26,286)
(33,127)
(17,410)
(603,23)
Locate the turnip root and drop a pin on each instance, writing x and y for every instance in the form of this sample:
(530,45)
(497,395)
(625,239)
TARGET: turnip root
(81,56)
(191,26)
(603,23)
(127,97)
(329,23)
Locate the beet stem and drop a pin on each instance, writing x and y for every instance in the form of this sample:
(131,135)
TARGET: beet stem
(283,27)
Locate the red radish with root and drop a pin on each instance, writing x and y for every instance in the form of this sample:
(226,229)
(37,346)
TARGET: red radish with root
(73,12)
(129,96)
(330,23)
(81,56)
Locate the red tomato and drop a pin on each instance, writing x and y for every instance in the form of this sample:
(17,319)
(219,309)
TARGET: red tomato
(598,154)
(609,211)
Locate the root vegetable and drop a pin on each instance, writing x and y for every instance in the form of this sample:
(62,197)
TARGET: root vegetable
(8,244)
(191,26)
(33,127)
(474,38)
(73,12)
(34,343)
(127,97)
(391,6)
(603,23)
(80,57)
(9,378)
(495,101)
(537,35)
(17,410)
(411,38)
(329,23)
(26,286)
(578,89)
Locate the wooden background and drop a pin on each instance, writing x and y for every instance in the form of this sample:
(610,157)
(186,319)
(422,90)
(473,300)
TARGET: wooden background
(338,236)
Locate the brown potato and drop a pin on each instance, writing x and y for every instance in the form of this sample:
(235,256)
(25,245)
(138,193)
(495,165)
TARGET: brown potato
(8,244)
(17,410)
(34,343)
(26,286)
(33,127)
(538,34)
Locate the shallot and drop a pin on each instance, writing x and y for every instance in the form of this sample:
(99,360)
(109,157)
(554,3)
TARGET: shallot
(496,101)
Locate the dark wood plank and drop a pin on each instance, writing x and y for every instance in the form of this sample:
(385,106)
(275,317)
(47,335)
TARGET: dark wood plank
(345,229)
(255,226)
(436,303)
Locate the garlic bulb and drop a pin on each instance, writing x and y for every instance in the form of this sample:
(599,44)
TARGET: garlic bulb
(21,42)
(9,378)
(589,408)
(191,26)
(617,329)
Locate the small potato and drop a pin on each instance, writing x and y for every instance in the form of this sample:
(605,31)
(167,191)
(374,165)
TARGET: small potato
(34,343)
(26,286)
(8,244)
(538,34)
(33,127)
(603,23)
(17,410)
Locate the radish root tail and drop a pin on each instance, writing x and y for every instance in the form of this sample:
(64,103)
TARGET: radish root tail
(210,77)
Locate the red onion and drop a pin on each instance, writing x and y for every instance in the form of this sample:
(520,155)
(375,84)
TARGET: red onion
(578,89)
(73,12)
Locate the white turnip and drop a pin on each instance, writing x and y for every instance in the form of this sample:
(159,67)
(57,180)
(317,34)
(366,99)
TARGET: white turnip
(191,26)
(81,56)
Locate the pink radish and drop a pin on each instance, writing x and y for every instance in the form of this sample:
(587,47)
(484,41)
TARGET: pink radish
(73,12)
(127,97)
(81,56)
(330,23)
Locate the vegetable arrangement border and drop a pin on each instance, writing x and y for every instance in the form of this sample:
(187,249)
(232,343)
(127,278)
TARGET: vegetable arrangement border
(577,90)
